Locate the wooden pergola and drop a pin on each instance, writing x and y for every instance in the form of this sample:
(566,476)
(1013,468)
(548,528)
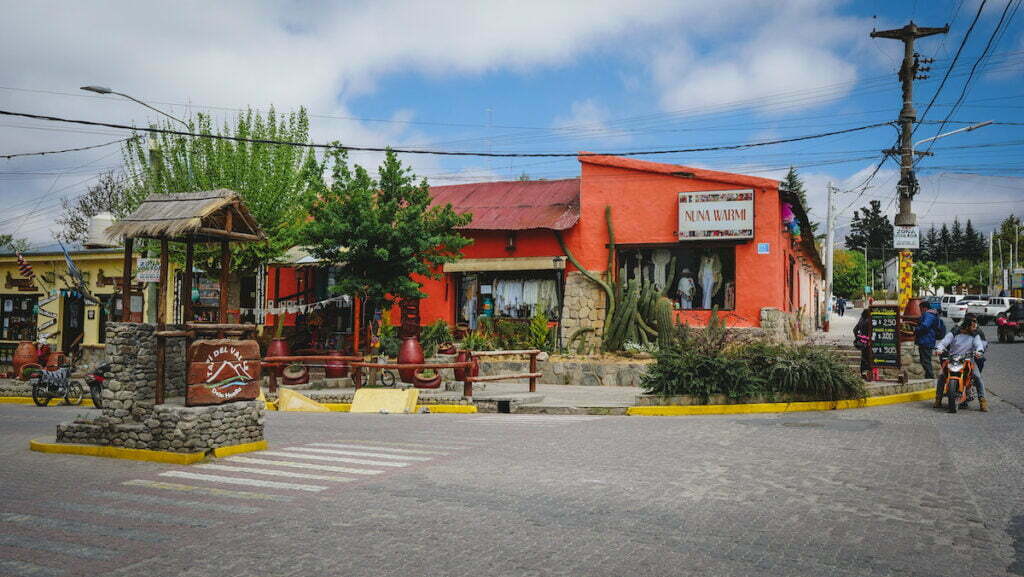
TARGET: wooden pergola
(215,216)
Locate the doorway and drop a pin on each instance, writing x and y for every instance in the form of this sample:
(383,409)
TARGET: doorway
(72,325)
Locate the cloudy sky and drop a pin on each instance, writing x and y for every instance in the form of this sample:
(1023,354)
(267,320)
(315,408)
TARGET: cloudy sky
(527,76)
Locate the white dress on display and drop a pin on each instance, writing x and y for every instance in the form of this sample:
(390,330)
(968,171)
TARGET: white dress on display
(710,279)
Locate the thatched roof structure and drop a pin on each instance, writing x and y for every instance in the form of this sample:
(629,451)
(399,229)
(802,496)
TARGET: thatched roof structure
(213,215)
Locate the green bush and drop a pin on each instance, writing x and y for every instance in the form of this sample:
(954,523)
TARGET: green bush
(512,334)
(540,336)
(434,335)
(693,367)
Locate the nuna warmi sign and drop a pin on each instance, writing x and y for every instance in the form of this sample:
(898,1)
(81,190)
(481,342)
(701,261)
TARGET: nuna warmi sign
(721,215)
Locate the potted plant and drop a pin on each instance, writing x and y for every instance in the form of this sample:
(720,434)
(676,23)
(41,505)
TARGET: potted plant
(278,346)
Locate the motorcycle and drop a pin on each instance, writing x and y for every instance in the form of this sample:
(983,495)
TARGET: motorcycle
(1008,329)
(48,385)
(959,371)
(95,381)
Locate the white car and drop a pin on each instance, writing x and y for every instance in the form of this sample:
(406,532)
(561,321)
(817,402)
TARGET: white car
(959,309)
(987,310)
(949,300)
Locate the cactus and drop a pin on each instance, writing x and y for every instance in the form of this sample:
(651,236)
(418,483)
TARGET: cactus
(664,322)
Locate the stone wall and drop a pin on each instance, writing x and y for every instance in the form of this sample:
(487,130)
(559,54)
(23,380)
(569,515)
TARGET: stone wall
(131,351)
(574,372)
(785,326)
(173,428)
(583,306)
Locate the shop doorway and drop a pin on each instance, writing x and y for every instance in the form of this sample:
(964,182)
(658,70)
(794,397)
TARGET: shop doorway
(73,323)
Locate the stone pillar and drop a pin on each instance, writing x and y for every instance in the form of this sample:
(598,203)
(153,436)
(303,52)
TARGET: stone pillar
(128,392)
(583,306)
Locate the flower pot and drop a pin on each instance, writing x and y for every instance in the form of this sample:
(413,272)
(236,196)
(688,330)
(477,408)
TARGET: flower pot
(463,357)
(410,351)
(427,382)
(278,348)
(336,369)
(296,375)
(23,355)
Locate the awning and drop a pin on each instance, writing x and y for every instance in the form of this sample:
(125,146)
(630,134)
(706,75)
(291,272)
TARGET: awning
(506,264)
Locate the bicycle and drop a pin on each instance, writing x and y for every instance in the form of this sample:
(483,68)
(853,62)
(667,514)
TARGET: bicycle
(48,385)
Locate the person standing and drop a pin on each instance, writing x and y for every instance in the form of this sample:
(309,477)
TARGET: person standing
(924,337)
(842,306)
(862,342)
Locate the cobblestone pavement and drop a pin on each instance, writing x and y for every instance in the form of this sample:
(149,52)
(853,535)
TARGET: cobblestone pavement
(895,490)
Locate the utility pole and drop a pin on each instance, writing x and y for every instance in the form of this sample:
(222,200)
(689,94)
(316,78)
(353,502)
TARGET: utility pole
(991,283)
(829,255)
(152,296)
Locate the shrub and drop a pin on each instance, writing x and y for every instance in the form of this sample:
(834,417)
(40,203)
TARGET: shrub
(512,334)
(434,335)
(477,341)
(539,333)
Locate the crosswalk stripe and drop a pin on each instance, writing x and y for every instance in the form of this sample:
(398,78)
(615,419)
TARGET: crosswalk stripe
(212,491)
(309,466)
(272,472)
(447,446)
(533,418)
(154,500)
(359,454)
(334,459)
(62,547)
(23,569)
(139,515)
(376,448)
(82,527)
(243,481)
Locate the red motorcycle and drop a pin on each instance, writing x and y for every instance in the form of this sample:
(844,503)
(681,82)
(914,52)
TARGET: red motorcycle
(1007,329)
(95,381)
(959,371)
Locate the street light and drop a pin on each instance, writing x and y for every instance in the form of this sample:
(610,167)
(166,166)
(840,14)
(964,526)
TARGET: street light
(105,90)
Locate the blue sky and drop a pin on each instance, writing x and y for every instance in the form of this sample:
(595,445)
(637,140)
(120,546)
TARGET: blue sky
(529,77)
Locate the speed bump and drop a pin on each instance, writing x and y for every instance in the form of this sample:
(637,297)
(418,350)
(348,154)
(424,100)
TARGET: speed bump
(369,400)
(289,400)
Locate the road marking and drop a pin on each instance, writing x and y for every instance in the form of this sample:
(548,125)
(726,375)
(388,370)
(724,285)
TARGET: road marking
(272,472)
(136,514)
(81,527)
(447,447)
(532,419)
(374,448)
(334,459)
(14,567)
(244,481)
(212,491)
(310,466)
(154,500)
(359,454)
(64,548)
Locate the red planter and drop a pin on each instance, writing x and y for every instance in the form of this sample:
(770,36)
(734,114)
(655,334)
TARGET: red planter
(336,369)
(278,348)
(463,357)
(410,351)
(23,355)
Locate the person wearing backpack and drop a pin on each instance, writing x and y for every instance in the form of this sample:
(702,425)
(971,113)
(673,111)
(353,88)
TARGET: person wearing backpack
(929,330)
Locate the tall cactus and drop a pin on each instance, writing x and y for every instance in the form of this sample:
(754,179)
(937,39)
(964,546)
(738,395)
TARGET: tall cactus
(664,320)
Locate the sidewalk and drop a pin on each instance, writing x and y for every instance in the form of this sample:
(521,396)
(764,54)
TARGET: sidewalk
(840,328)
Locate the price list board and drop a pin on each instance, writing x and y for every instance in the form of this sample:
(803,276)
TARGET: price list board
(885,339)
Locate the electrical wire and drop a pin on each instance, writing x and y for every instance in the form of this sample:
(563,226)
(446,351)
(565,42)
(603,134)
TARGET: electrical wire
(956,58)
(79,149)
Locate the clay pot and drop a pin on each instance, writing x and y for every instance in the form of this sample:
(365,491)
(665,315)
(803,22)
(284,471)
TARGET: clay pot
(410,351)
(428,382)
(278,348)
(336,369)
(23,355)
(296,375)
(463,357)
(447,349)
(909,317)
(54,360)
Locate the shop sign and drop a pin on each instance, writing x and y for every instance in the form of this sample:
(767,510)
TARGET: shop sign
(885,344)
(906,237)
(719,215)
(148,270)
(764,248)
(222,371)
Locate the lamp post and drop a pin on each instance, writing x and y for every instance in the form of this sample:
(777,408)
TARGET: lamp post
(105,90)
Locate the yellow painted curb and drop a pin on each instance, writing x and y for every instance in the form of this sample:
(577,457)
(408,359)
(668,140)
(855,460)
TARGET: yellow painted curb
(681,410)
(339,407)
(28,401)
(238,449)
(448,408)
(118,453)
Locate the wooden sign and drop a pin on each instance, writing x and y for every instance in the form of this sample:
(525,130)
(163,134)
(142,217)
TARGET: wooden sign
(222,371)
(885,341)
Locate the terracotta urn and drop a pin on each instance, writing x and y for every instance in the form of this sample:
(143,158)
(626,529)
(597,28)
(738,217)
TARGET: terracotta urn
(278,348)
(410,351)
(463,357)
(910,316)
(335,369)
(23,355)
(296,375)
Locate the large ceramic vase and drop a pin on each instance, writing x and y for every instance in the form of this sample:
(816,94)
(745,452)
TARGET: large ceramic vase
(410,351)
(278,348)
(335,369)
(23,355)
(910,315)
(465,357)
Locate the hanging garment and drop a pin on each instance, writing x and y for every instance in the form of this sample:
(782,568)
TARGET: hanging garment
(661,258)
(530,291)
(710,279)
(685,288)
(547,297)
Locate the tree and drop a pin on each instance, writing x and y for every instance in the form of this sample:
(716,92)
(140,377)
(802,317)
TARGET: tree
(109,194)
(945,278)
(381,231)
(847,273)
(945,244)
(793,183)
(1006,237)
(872,229)
(930,245)
(974,243)
(956,240)
(10,244)
(274,181)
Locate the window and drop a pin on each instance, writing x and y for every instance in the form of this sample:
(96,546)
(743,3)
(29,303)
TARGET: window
(18,318)
(507,294)
(696,277)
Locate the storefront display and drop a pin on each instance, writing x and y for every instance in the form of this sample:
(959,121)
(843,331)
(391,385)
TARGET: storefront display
(18,318)
(698,277)
(511,294)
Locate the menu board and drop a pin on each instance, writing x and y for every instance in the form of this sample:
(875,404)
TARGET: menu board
(885,344)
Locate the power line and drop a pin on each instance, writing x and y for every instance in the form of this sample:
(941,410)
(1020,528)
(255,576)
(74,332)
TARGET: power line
(442,152)
(81,148)
(956,57)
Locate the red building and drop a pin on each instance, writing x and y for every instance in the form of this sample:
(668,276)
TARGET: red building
(727,234)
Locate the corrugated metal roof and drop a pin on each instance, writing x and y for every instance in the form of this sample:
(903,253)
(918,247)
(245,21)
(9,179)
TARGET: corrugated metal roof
(681,171)
(514,205)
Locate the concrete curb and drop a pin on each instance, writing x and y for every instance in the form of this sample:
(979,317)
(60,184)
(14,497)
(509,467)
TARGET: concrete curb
(168,457)
(682,410)
(346,407)
(28,401)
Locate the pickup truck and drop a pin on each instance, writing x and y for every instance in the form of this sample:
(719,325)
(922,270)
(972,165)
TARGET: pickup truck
(957,310)
(986,311)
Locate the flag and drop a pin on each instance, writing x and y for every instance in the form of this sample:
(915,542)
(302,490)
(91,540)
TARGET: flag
(76,274)
(25,268)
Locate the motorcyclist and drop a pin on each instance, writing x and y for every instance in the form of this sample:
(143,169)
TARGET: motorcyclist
(980,361)
(964,341)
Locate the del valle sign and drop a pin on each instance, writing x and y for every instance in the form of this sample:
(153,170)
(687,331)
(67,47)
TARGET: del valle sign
(720,215)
